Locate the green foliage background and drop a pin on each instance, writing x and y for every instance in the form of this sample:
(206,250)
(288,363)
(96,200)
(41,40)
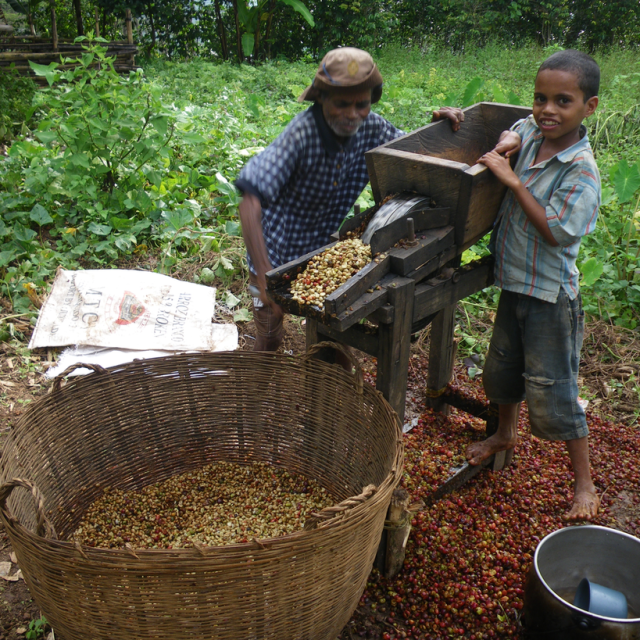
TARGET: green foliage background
(104,168)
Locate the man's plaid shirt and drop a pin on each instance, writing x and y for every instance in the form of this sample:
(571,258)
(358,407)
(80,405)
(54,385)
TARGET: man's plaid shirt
(307,182)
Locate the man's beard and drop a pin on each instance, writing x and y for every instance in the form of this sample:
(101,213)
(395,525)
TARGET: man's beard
(345,128)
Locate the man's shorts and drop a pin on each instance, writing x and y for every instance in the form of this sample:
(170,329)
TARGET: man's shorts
(535,353)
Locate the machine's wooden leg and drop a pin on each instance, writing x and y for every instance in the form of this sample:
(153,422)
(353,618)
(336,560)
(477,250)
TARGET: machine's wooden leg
(441,356)
(311,332)
(395,347)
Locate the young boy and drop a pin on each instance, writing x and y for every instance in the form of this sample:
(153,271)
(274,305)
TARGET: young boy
(553,200)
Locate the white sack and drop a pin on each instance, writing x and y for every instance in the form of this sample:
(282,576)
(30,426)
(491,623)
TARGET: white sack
(224,337)
(125,309)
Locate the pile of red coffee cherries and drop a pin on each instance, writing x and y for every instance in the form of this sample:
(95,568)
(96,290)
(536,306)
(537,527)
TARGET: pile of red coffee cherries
(469,553)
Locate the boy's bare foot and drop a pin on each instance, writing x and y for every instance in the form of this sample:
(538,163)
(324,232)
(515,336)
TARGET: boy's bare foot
(585,505)
(480,451)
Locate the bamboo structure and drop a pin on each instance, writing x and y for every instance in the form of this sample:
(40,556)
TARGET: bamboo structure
(19,50)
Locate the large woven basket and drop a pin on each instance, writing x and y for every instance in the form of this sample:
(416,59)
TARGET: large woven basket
(141,423)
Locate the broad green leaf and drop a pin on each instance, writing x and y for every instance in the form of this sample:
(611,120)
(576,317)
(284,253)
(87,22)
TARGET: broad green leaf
(40,215)
(607,195)
(120,223)
(626,181)
(143,201)
(80,160)
(87,59)
(23,234)
(178,219)
(192,138)
(451,100)
(242,315)
(232,228)
(244,13)
(230,300)
(226,263)
(514,99)
(154,177)
(160,124)
(591,270)
(125,242)
(301,8)
(471,90)
(498,94)
(48,71)
(210,244)
(81,249)
(252,105)
(46,136)
(99,229)
(248,41)
(227,188)
(207,276)
(141,225)
(6,257)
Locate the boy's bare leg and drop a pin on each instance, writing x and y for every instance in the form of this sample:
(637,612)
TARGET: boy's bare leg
(504,438)
(585,499)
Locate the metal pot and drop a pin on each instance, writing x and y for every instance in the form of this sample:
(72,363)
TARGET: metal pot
(562,559)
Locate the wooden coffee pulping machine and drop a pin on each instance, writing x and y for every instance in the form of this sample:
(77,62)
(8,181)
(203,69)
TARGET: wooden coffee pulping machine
(415,278)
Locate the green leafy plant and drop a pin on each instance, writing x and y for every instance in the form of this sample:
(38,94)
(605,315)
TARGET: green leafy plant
(612,267)
(251,15)
(37,629)
(16,93)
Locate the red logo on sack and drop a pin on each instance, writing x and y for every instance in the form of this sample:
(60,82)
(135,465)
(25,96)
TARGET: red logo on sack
(130,309)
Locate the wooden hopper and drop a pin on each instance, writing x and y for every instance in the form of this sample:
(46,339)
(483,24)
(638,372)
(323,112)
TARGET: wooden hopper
(438,162)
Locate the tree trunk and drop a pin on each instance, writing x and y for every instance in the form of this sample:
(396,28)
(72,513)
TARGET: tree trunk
(256,41)
(221,32)
(152,24)
(78,11)
(54,26)
(238,34)
(267,37)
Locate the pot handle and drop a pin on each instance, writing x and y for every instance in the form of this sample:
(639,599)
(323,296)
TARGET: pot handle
(328,513)
(44,528)
(315,349)
(57,381)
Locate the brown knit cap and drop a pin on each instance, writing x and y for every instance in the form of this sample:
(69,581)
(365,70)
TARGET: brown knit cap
(345,69)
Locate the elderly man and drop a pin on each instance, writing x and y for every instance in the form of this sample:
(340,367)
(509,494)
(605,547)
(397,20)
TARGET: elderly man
(299,189)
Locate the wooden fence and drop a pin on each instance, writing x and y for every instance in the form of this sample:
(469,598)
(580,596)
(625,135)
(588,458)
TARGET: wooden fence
(19,50)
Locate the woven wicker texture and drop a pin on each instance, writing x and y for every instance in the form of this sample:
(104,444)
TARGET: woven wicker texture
(141,423)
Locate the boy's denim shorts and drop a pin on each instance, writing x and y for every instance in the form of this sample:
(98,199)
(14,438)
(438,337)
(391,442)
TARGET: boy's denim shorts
(534,354)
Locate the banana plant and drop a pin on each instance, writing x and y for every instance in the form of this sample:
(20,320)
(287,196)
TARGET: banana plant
(251,15)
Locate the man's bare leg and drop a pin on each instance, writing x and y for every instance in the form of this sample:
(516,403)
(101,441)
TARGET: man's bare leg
(585,499)
(504,438)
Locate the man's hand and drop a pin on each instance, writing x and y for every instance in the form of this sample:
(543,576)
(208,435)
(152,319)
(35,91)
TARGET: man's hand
(265,299)
(509,143)
(250,213)
(455,116)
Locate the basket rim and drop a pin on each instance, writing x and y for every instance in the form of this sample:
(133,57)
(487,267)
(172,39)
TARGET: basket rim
(223,360)
(255,546)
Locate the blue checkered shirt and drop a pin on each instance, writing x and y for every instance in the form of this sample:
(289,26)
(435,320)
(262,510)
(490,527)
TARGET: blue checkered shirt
(307,181)
(568,187)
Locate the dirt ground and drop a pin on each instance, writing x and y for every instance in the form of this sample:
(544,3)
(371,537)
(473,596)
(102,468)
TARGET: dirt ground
(609,369)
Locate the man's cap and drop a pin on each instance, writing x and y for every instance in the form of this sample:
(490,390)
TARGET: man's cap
(345,69)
